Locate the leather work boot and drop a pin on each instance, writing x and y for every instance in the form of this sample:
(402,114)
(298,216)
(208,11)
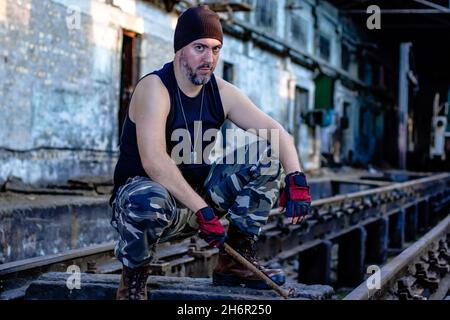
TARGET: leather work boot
(133,284)
(229,272)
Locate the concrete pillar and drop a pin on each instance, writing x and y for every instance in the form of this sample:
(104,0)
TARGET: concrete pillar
(351,256)
(411,223)
(403,92)
(377,241)
(397,230)
(432,211)
(315,264)
(423,215)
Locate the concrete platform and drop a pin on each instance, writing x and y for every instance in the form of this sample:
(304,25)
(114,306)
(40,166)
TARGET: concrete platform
(42,224)
(53,286)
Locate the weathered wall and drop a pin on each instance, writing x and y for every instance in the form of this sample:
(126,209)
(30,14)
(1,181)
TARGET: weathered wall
(58,90)
(59,87)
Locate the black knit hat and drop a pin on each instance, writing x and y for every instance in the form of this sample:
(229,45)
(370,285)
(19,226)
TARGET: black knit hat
(197,23)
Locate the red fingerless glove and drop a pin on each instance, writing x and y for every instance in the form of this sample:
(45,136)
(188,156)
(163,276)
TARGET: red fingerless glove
(295,197)
(210,228)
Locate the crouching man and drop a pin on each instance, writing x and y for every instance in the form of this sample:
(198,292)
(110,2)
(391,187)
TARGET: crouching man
(151,185)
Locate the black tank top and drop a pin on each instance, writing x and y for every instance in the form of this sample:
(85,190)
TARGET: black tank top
(129,163)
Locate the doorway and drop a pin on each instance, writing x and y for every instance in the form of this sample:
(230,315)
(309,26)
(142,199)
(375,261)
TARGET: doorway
(129,74)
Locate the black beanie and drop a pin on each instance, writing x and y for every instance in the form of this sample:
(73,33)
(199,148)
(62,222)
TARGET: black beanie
(197,23)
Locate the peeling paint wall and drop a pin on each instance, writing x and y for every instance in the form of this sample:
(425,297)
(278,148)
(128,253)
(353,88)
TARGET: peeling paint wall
(59,87)
(59,92)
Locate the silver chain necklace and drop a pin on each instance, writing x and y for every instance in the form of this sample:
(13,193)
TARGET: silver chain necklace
(193,154)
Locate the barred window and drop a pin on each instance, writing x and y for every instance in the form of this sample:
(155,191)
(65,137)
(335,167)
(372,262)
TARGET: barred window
(345,57)
(228,72)
(299,30)
(324,47)
(266,13)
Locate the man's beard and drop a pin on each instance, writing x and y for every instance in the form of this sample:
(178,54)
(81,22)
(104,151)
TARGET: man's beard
(196,79)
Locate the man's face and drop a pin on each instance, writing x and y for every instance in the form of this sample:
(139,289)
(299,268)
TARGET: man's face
(199,59)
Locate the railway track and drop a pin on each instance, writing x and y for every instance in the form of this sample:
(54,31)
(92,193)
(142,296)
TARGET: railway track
(366,225)
(187,257)
(421,272)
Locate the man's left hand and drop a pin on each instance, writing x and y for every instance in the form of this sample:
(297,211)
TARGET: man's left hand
(296,197)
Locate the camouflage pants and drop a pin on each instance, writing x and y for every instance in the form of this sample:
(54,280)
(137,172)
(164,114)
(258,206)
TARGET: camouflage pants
(145,213)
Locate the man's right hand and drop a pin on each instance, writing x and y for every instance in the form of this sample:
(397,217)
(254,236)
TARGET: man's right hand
(211,230)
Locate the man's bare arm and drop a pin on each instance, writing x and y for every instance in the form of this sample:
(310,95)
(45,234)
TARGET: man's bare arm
(241,110)
(150,105)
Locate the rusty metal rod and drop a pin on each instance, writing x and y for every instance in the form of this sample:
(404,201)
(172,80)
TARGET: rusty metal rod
(233,253)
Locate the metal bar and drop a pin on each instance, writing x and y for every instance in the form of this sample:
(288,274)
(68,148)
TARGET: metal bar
(403,89)
(362,181)
(433,5)
(37,262)
(402,261)
(95,250)
(394,186)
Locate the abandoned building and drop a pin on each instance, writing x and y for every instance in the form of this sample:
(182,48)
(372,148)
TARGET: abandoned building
(364,92)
